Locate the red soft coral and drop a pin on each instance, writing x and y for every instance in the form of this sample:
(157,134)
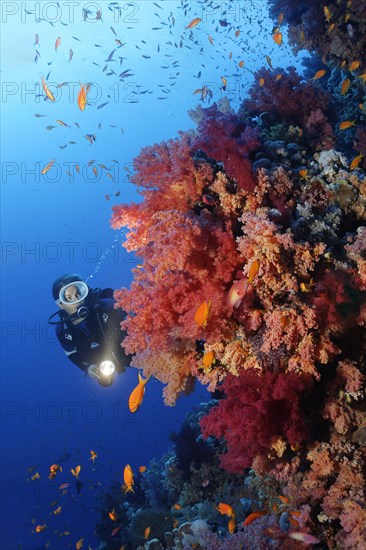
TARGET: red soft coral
(257,411)
(168,178)
(290,98)
(225,138)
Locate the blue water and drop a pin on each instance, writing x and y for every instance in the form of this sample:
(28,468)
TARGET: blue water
(58,223)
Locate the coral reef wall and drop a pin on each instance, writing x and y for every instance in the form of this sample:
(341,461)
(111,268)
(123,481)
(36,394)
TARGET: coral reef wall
(259,216)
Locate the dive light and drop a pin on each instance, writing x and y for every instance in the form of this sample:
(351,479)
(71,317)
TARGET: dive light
(107,368)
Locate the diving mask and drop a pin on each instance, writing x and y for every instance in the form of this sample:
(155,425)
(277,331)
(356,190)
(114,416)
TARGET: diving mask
(73,293)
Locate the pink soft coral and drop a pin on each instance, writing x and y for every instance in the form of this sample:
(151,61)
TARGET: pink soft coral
(182,268)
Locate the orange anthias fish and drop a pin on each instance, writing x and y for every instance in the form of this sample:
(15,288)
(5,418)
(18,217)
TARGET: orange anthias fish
(82,95)
(57,43)
(306,287)
(356,161)
(76,472)
(48,93)
(137,395)
(113,515)
(319,74)
(345,85)
(277,37)
(347,124)
(79,544)
(208,359)
(354,66)
(327,14)
(225,509)
(128,479)
(93,456)
(147,532)
(142,469)
(40,528)
(55,468)
(293,522)
(203,313)
(303,173)
(231,525)
(253,516)
(193,23)
(253,271)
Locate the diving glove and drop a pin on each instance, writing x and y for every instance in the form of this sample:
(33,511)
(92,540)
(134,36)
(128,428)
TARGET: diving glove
(93,372)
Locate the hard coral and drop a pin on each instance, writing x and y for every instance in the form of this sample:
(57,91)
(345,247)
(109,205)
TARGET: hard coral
(252,536)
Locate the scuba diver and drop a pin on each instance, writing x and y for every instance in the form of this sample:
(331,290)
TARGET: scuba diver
(89,328)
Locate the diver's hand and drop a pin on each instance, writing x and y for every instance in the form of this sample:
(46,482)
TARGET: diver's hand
(93,372)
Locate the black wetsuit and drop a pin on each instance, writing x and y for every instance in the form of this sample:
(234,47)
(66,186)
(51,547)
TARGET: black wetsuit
(98,337)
